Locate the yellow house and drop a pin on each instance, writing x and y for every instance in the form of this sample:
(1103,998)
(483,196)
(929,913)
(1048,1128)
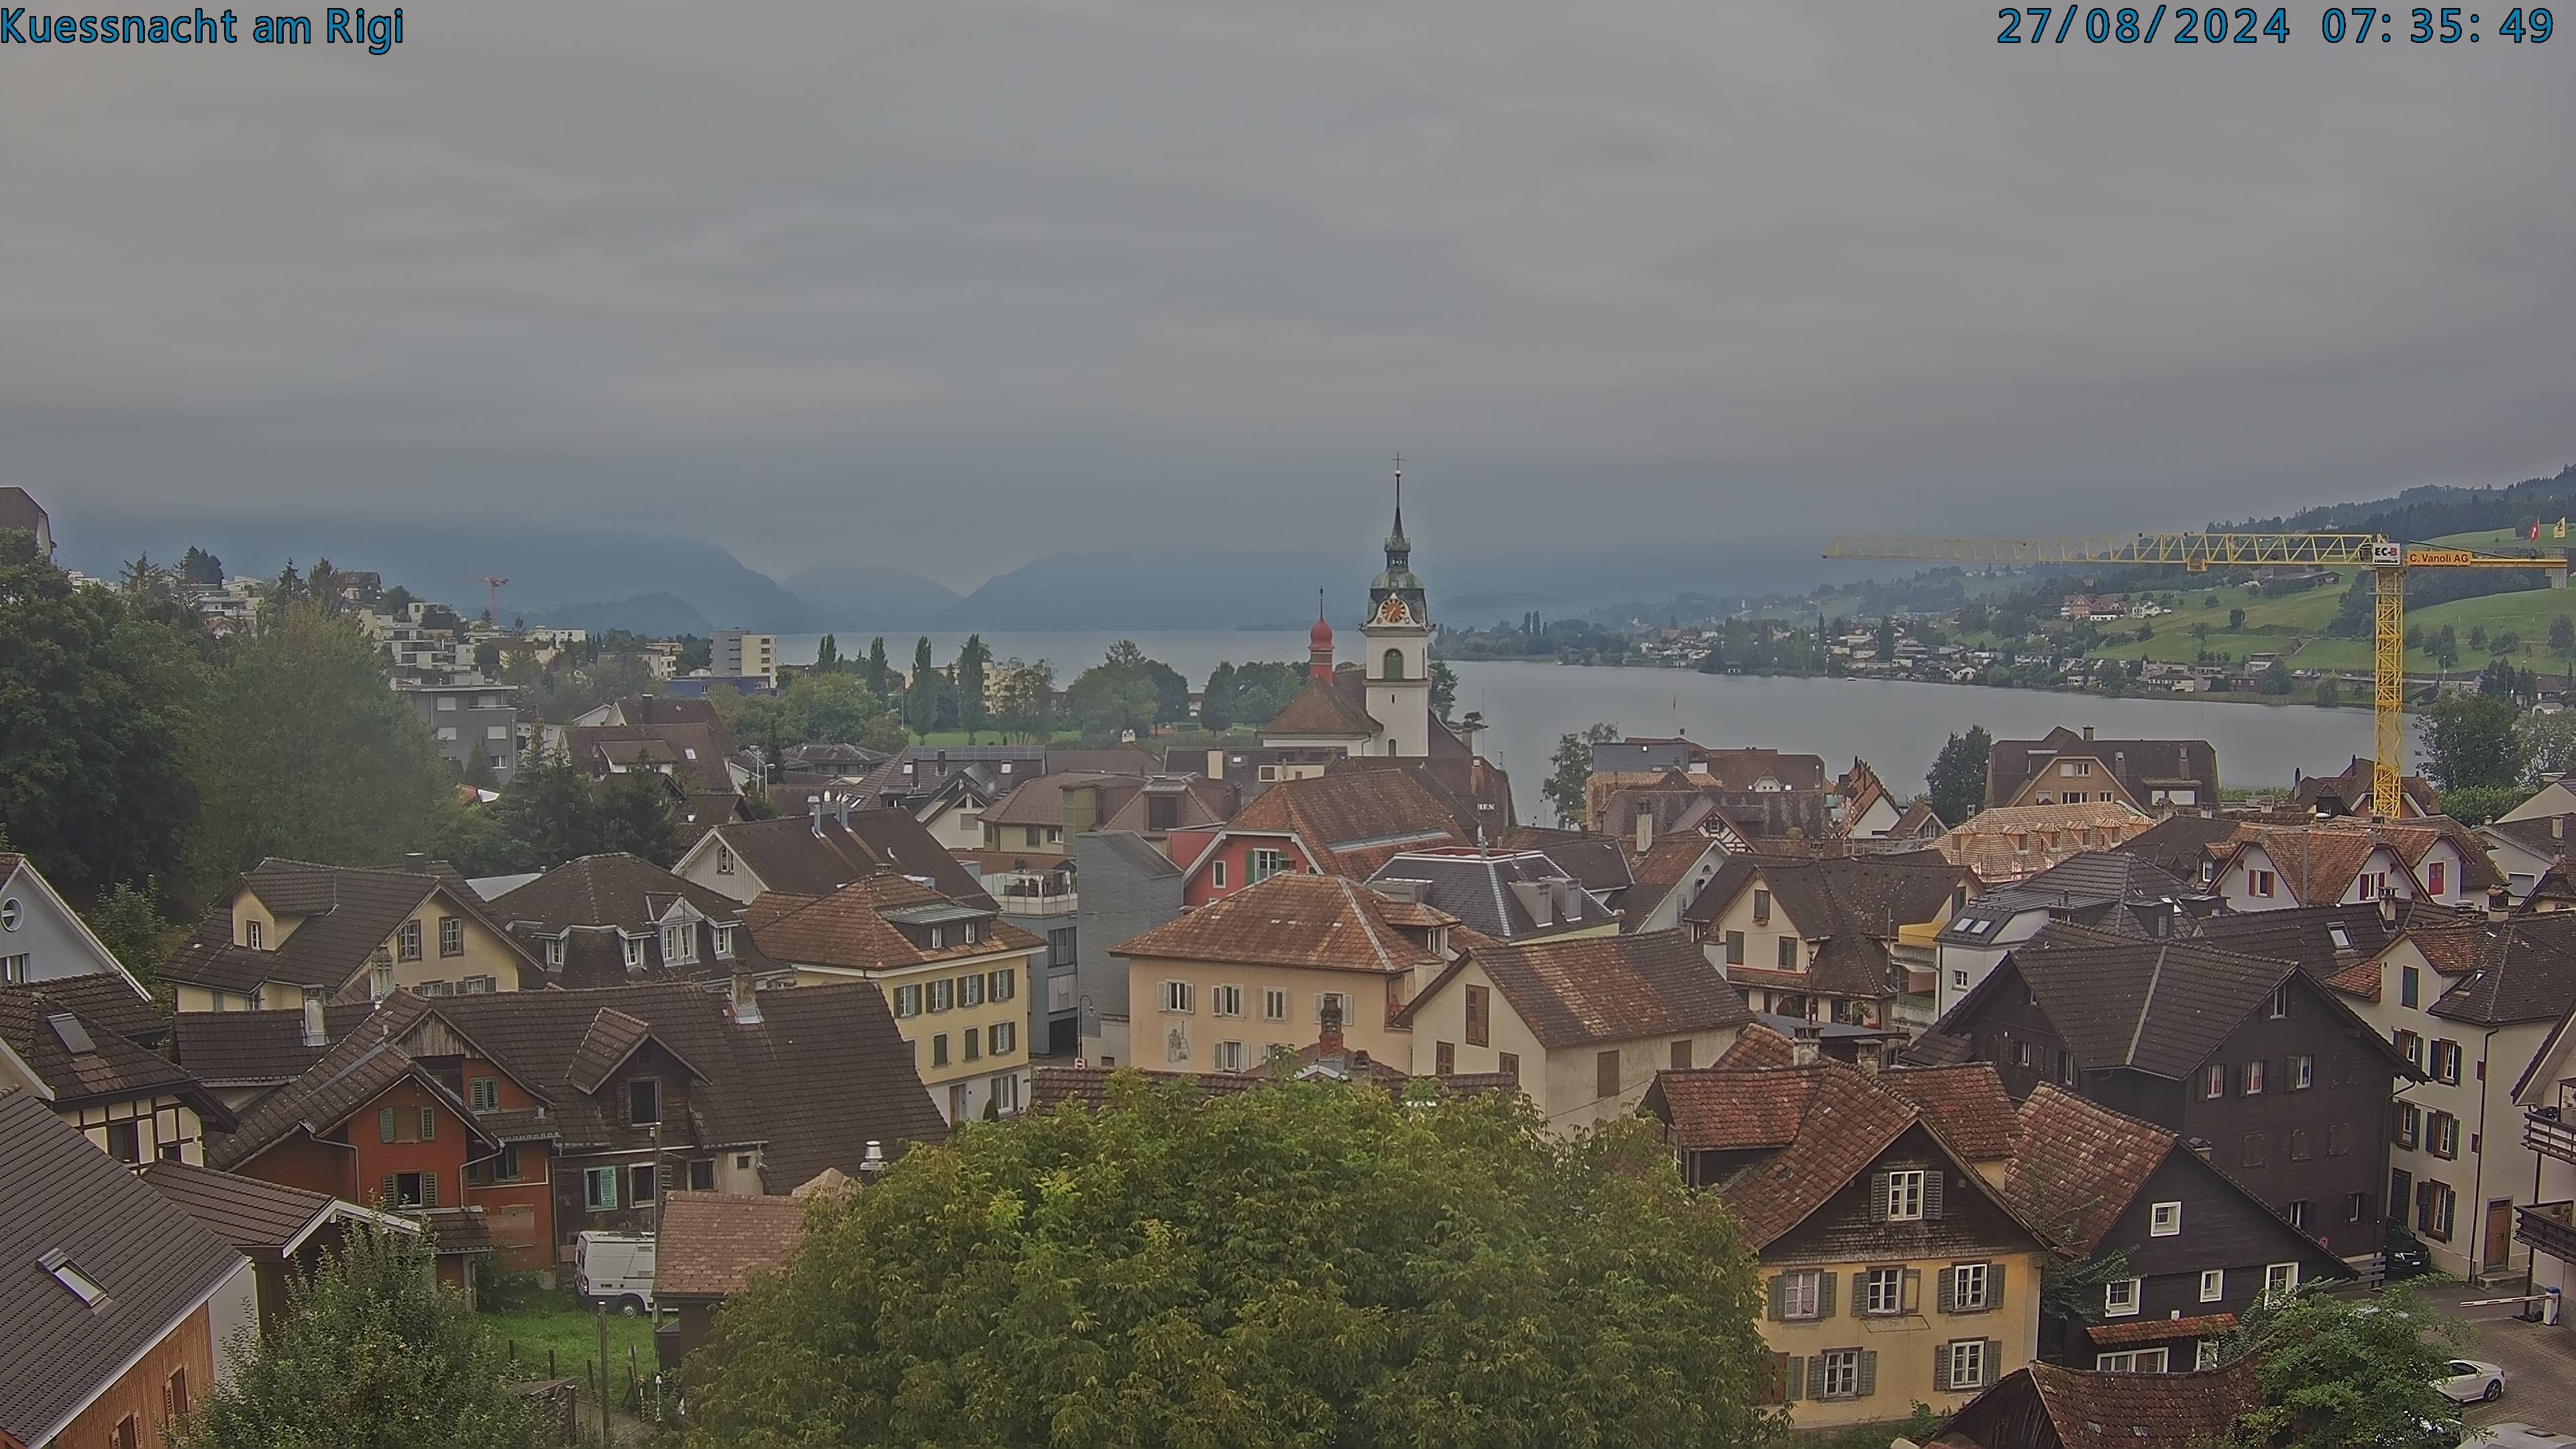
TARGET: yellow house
(1893,1270)
(1221,987)
(954,975)
(291,932)
(1584,1023)
(1828,938)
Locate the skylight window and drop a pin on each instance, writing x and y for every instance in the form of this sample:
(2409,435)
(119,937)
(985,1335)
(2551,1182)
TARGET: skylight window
(59,1263)
(69,1031)
(2342,938)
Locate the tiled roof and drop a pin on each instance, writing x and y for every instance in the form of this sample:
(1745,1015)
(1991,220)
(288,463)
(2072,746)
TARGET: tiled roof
(1056,1085)
(1666,864)
(849,929)
(111,999)
(1599,861)
(1353,822)
(255,1048)
(1325,707)
(61,1195)
(77,1058)
(1966,1104)
(1194,802)
(1476,887)
(1781,814)
(615,889)
(2157,1006)
(2138,765)
(2542,835)
(788,854)
(2084,1409)
(1755,1048)
(262,1220)
(1040,801)
(2317,863)
(346,913)
(352,1074)
(1573,991)
(2158,1330)
(2352,790)
(1821,1125)
(2523,970)
(1318,921)
(694,751)
(611,1038)
(2178,845)
(1851,905)
(2079,1165)
(712,1242)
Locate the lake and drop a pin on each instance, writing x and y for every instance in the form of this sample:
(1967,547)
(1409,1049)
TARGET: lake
(1895,725)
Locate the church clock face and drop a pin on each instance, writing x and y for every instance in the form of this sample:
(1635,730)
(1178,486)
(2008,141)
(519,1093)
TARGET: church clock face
(1393,611)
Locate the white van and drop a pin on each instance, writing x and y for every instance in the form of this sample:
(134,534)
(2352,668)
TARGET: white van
(615,1269)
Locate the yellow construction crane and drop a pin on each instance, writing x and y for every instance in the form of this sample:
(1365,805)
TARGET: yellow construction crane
(2387,560)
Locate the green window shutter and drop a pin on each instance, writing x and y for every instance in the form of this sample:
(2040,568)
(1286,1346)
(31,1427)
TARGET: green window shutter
(1994,1359)
(1794,1382)
(1779,1288)
(429,1124)
(1825,1285)
(429,1189)
(393,1192)
(385,1125)
(1941,1368)
(1994,1292)
(1816,1377)
(1947,1300)
(1860,1293)
(1909,1290)
(1868,1372)
(1932,1193)
(1878,1197)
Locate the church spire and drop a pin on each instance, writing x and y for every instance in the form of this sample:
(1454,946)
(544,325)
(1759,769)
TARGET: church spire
(1399,549)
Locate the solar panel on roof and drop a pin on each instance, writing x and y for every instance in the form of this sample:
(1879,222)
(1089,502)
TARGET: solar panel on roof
(73,1036)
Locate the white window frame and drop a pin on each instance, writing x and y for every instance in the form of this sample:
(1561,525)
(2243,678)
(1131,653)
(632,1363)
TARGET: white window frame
(724,943)
(907,1001)
(2133,1361)
(724,858)
(2303,1073)
(1261,865)
(2164,1220)
(1179,998)
(555,947)
(2280,1279)
(2204,1354)
(1802,1295)
(1962,1275)
(1225,1001)
(679,944)
(1274,1004)
(1217,875)
(1905,1195)
(1001,1038)
(970,990)
(2112,1307)
(1841,1378)
(591,1178)
(1967,1352)
(634,950)
(942,994)
(1002,985)
(1229,1056)
(1882,1292)
(2213,1285)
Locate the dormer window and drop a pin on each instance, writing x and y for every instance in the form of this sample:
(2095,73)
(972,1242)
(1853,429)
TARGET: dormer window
(634,952)
(251,935)
(679,944)
(643,1101)
(555,953)
(938,938)
(724,943)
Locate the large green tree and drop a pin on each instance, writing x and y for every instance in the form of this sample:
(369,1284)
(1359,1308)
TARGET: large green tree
(634,815)
(2470,742)
(371,1354)
(98,694)
(2343,1371)
(1958,778)
(835,709)
(1568,788)
(1308,1264)
(1024,700)
(306,754)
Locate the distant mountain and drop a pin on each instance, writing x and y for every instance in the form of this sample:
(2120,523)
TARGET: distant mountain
(655,616)
(842,594)
(547,568)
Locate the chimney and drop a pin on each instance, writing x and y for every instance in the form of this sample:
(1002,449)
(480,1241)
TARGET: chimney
(1569,897)
(873,1166)
(2088,732)
(1645,831)
(2200,1148)
(1535,899)
(1081,809)
(316,1034)
(1804,1043)
(745,999)
(2387,909)
(1866,1057)
(841,810)
(1329,1037)
(816,801)
(2499,903)
(2558,827)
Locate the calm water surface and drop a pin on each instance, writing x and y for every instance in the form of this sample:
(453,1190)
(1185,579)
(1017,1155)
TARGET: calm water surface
(1898,727)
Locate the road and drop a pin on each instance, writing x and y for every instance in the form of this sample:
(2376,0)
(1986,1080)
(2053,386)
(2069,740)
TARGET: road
(2539,1363)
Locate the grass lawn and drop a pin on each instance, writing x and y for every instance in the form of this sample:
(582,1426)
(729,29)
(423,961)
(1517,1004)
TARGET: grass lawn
(559,1322)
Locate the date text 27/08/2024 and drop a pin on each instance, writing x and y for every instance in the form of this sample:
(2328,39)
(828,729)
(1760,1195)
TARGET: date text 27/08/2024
(2220,25)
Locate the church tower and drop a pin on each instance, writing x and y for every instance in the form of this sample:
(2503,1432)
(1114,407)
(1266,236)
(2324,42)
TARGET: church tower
(1397,655)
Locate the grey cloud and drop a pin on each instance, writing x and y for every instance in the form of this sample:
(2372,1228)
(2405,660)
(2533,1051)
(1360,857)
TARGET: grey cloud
(1167,272)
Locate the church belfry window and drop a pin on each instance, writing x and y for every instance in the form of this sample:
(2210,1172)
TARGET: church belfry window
(1394,665)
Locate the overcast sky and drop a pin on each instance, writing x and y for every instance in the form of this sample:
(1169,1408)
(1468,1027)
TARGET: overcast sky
(850,277)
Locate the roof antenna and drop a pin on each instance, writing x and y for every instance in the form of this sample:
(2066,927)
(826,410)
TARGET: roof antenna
(1399,494)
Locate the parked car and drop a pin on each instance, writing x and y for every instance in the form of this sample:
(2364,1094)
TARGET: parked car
(615,1269)
(2472,1382)
(2516,1436)
(2403,1255)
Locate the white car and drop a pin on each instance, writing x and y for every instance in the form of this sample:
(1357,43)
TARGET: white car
(2472,1382)
(2516,1436)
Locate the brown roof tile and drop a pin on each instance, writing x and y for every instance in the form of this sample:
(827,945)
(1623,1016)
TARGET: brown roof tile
(1320,921)
(1574,991)
(711,1243)
(1966,1104)
(1351,823)
(1325,707)
(849,928)
(2079,1165)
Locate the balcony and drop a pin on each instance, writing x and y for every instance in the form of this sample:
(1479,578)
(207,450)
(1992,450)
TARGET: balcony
(1033,892)
(2544,1133)
(2548,1227)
